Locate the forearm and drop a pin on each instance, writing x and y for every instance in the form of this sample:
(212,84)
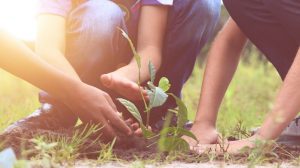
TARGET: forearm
(222,63)
(51,42)
(148,54)
(19,60)
(287,104)
(151,34)
(56,58)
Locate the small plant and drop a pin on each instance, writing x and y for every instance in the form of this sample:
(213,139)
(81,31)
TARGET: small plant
(170,137)
(50,149)
(106,152)
(44,151)
(263,152)
(240,131)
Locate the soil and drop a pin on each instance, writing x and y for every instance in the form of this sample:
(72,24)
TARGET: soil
(126,148)
(20,139)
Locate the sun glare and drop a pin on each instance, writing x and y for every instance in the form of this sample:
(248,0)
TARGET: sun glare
(18,18)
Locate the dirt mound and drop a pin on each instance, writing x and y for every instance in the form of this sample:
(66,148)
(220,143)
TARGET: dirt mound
(126,147)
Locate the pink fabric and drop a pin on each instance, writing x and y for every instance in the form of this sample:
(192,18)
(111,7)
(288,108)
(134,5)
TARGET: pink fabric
(63,7)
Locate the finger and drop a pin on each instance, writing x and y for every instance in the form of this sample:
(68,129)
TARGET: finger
(200,149)
(117,122)
(138,132)
(108,131)
(106,80)
(112,104)
(144,91)
(147,98)
(129,121)
(135,126)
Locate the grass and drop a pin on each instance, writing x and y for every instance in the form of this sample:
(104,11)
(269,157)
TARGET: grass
(246,103)
(17,99)
(248,98)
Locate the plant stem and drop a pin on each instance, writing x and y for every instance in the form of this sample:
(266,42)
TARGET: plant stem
(148,117)
(147,109)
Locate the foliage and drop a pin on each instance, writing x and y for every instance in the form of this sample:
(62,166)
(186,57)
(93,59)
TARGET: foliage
(170,137)
(106,153)
(58,149)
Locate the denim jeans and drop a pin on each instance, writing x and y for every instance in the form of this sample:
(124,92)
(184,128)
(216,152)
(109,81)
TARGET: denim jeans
(95,45)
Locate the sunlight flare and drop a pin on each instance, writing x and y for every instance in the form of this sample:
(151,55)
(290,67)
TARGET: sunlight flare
(18,17)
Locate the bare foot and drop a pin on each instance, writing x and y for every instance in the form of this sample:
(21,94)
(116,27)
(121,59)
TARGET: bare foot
(123,81)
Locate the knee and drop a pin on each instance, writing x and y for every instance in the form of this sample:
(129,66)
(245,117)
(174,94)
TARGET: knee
(96,18)
(205,10)
(201,16)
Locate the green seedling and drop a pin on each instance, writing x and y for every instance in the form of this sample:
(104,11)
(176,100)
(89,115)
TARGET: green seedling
(170,137)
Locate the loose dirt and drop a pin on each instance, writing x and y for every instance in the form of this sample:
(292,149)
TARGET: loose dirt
(132,148)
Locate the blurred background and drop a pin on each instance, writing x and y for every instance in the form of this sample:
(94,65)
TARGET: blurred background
(246,102)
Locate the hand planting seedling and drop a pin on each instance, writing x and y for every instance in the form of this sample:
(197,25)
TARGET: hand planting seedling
(169,137)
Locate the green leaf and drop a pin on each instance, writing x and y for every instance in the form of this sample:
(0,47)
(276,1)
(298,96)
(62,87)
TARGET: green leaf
(132,109)
(182,116)
(157,97)
(169,144)
(137,57)
(152,71)
(164,84)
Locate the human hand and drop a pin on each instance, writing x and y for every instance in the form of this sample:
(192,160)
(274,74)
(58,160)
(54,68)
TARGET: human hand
(92,104)
(137,130)
(204,133)
(124,82)
(233,147)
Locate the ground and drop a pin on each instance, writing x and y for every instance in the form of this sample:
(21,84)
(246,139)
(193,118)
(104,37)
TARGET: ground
(246,103)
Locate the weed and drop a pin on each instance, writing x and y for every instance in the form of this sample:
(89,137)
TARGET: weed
(240,131)
(51,149)
(138,164)
(106,153)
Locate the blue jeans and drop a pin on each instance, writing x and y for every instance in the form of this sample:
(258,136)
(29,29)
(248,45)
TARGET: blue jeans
(95,45)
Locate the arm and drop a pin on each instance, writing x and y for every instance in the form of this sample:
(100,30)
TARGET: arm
(285,109)
(286,106)
(50,44)
(20,61)
(79,97)
(151,34)
(222,63)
